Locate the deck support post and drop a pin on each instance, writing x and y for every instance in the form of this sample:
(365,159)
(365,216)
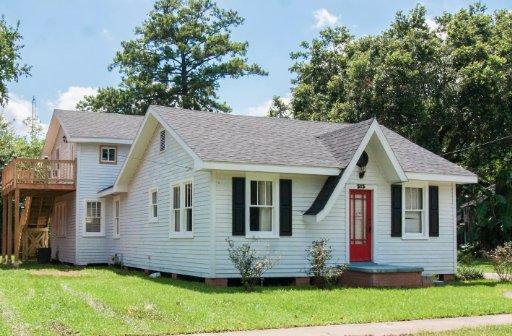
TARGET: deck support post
(17,232)
(4,228)
(9,228)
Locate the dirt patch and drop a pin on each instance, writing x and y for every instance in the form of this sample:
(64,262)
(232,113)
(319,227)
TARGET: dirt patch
(508,294)
(62,329)
(145,311)
(59,273)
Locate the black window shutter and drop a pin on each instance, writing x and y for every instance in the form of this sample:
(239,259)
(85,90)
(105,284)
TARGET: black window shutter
(396,210)
(285,207)
(238,206)
(433,211)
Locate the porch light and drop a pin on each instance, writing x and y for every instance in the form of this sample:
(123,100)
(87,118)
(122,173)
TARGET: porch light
(65,139)
(361,163)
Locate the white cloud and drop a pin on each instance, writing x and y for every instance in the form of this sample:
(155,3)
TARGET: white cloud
(433,25)
(323,18)
(16,111)
(261,110)
(69,98)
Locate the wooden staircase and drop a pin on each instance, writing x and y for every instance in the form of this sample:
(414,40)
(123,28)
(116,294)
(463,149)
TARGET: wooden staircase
(35,220)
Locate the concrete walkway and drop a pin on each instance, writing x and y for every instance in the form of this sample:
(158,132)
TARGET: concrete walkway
(385,328)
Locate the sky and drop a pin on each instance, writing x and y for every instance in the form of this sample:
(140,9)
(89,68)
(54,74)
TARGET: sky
(70,43)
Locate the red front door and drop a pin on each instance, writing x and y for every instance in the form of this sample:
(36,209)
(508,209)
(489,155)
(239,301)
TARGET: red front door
(360,220)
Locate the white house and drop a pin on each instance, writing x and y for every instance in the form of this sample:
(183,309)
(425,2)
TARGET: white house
(163,192)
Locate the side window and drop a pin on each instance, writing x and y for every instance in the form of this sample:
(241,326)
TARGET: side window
(108,154)
(153,205)
(116,217)
(181,209)
(94,218)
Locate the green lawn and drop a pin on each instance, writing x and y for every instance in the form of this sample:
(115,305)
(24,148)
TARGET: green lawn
(484,266)
(59,300)
(504,330)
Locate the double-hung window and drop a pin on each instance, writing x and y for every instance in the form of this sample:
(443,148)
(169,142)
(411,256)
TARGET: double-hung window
(182,209)
(116,217)
(108,154)
(262,203)
(94,224)
(415,217)
(153,205)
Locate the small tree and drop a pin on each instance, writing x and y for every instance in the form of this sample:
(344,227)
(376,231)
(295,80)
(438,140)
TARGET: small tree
(249,263)
(319,254)
(501,259)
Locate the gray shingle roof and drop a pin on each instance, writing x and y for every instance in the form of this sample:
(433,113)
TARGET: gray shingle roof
(416,159)
(86,124)
(343,144)
(246,139)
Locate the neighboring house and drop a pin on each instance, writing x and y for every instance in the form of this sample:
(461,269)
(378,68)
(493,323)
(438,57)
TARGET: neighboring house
(164,192)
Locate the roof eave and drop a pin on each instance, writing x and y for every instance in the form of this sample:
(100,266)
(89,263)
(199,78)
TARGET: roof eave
(459,179)
(268,168)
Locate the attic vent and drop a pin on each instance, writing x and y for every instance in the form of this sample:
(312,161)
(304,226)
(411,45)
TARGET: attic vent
(162,140)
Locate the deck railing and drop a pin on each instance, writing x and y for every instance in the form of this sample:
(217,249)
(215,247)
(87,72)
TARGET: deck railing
(26,172)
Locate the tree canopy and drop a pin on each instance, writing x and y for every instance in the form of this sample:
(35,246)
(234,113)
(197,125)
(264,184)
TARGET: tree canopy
(445,85)
(11,68)
(181,52)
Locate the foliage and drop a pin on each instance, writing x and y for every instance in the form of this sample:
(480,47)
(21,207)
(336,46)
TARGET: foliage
(468,253)
(467,272)
(447,89)
(493,224)
(501,259)
(279,108)
(319,254)
(181,52)
(10,67)
(249,263)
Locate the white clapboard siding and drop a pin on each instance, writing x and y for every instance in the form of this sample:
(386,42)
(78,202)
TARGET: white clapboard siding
(91,178)
(144,244)
(64,248)
(290,251)
(435,254)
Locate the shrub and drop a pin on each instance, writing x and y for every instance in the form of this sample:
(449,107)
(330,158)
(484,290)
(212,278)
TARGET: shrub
(249,263)
(501,260)
(467,253)
(465,272)
(319,254)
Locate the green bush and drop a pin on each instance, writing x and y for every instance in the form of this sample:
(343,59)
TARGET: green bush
(466,272)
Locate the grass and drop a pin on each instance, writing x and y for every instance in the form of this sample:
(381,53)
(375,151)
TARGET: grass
(58,300)
(503,330)
(483,265)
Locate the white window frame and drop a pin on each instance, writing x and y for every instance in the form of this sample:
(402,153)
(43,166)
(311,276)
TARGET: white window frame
(152,218)
(162,131)
(108,147)
(183,233)
(60,223)
(274,178)
(424,213)
(102,218)
(116,218)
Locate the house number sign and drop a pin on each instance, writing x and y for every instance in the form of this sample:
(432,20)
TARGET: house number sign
(361,186)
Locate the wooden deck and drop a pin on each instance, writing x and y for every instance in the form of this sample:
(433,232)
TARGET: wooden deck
(23,179)
(39,174)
